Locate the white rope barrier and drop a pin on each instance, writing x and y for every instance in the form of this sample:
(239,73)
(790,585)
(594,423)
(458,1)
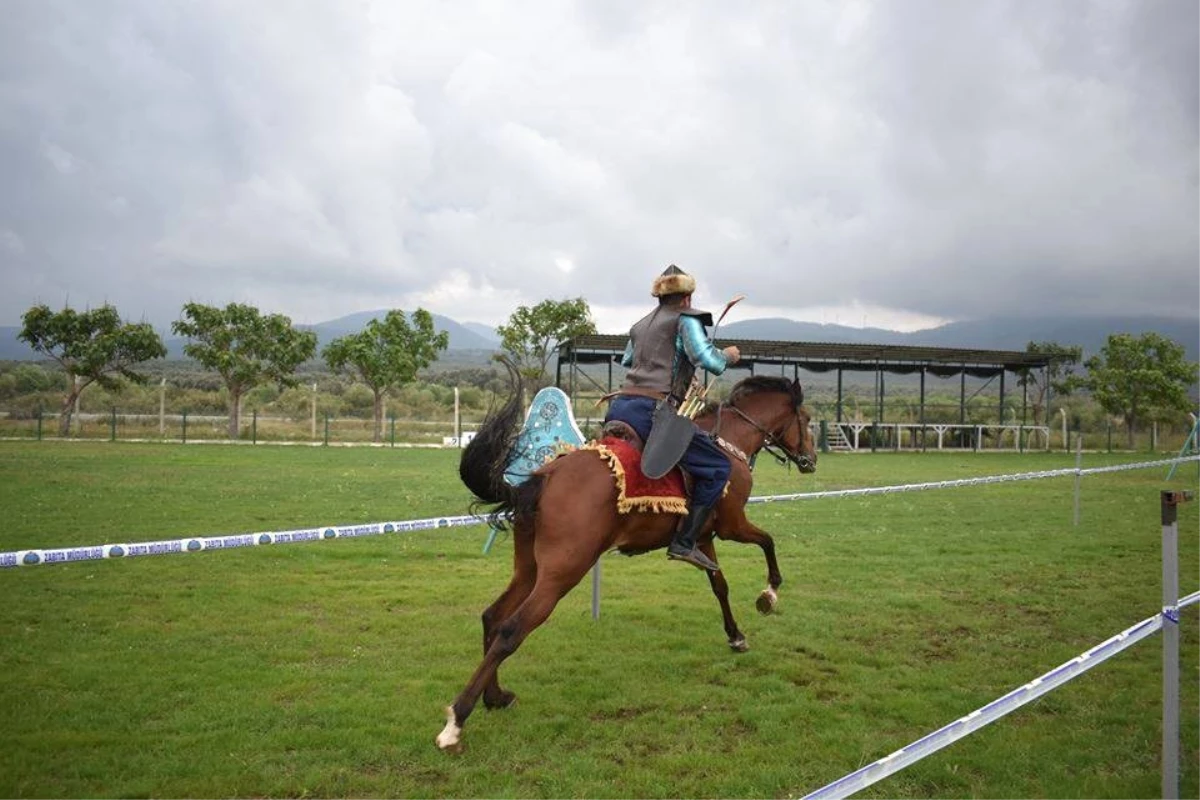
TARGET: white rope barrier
(942,737)
(195,544)
(980,481)
(1191,599)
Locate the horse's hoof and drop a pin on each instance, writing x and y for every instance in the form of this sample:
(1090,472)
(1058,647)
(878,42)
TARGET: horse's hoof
(506,700)
(452,749)
(739,645)
(766,601)
(450,739)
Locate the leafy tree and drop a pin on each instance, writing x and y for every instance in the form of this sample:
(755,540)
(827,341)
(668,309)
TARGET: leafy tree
(1135,377)
(28,378)
(92,347)
(532,335)
(1058,376)
(245,348)
(388,354)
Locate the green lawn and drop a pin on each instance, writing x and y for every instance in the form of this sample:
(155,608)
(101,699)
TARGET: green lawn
(321,669)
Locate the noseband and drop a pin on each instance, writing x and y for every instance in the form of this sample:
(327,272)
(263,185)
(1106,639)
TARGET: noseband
(774,444)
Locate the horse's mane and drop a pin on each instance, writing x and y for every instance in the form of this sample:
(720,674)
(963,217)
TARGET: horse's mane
(767,383)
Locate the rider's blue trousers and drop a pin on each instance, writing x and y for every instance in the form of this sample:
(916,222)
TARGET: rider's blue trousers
(704,460)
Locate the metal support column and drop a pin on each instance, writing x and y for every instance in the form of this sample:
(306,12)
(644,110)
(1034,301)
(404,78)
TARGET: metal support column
(922,409)
(574,379)
(1170,634)
(1002,373)
(962,398)
(839,397)
(882,392)
(1024,416)
(1049,397)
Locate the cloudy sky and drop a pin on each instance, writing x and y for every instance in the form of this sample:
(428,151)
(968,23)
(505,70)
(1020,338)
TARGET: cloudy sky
(895,163)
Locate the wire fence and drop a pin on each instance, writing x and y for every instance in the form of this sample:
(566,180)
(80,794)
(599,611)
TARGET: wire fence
(444,430)
(253,428)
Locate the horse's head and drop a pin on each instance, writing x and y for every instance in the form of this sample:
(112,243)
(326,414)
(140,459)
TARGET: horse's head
(775,406)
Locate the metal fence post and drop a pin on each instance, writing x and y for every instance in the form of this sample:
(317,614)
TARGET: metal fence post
(185,426)
(112,425)
(1078,475)
(326,428)
(393,421)
(314,412)
(39,424)
(824,436)
(1170,637)
(254,426)
(596,590)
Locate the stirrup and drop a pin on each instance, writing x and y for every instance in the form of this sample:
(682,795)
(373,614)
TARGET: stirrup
(694,557)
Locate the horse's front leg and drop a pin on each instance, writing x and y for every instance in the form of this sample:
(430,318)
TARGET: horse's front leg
(769,596)
(743,530)
(720,588)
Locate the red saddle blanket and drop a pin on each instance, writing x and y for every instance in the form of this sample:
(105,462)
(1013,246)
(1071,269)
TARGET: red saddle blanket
(636,492)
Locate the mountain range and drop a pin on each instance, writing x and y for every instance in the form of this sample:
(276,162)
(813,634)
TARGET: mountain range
(994,333)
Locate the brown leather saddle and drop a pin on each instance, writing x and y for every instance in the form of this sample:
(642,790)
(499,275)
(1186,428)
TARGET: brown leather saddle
(616,429)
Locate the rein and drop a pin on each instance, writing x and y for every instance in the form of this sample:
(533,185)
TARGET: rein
(770,441)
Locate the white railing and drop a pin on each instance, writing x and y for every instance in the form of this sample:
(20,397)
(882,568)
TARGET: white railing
(1014,437)
(1166,621)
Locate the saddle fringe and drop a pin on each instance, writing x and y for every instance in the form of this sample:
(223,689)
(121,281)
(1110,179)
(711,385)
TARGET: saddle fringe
(626,505)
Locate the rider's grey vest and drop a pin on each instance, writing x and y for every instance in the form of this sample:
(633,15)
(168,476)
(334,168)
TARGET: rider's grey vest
(659,366)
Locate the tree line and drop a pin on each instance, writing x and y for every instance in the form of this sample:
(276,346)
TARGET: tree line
(1133,378)
(246,348)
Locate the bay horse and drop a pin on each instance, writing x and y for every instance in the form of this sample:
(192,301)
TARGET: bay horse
(564,517)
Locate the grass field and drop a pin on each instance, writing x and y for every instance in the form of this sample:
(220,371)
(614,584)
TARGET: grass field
(322,669)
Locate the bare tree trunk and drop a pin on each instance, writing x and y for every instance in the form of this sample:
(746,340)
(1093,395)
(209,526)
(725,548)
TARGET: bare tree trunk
(377,436)
(68,407)
(235,410)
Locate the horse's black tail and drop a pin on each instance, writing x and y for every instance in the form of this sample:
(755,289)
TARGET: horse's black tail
(487,456)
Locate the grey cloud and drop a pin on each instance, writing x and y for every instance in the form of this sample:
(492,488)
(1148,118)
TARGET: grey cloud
(951,159)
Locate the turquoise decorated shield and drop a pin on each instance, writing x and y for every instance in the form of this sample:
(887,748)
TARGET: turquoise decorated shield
(549,427)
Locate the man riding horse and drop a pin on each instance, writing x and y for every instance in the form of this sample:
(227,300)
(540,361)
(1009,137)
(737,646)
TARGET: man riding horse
(665,349)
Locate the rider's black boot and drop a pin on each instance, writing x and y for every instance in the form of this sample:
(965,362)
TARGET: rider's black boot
(683,546)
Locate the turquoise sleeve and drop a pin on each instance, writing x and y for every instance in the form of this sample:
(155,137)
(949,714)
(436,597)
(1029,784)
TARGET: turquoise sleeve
(627,359)
(699,349)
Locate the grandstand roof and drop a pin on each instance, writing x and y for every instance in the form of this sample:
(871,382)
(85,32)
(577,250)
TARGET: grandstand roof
(825,356)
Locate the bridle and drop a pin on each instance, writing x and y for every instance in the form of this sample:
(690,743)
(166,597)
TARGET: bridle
(772,443)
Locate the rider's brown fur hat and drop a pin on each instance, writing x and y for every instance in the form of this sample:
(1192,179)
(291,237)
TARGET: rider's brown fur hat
(673,281)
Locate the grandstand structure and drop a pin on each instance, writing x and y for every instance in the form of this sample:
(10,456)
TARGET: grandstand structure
(788,358)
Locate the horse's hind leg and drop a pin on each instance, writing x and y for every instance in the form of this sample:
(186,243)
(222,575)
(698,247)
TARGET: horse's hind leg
(524,576)
(720,589)
(509,634)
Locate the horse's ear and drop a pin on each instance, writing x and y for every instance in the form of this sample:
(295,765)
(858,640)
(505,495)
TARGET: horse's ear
(798,391)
